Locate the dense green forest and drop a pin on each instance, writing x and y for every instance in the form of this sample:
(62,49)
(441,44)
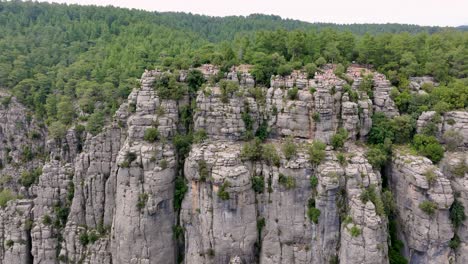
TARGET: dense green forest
(53,55)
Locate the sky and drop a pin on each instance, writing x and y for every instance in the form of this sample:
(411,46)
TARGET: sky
(420,12)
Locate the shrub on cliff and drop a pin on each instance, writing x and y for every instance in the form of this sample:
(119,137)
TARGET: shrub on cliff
(338,140)
(429,147)
(5,196)
(428,207)
(289,148)
(377,157)
(316,152)
(151,134)
(252,150)
(457,213)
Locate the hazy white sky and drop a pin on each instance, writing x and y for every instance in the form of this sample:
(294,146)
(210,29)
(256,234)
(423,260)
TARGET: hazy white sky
(422,12)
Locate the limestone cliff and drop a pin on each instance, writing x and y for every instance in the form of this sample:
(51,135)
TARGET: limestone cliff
(126,195)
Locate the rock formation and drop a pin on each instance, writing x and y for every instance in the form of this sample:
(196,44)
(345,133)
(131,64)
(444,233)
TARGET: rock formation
(125,196)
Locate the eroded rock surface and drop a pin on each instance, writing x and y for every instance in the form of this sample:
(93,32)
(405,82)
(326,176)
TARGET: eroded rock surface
(110,198)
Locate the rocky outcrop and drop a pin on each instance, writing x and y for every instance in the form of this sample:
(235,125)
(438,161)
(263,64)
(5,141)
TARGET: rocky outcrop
(364,229)
(224,120)
(114,197)
(218,229)
(449,128)
(423,196)
(22,146)
(416,83)
(382,100)
(291,117)
(455,166)
(15,226)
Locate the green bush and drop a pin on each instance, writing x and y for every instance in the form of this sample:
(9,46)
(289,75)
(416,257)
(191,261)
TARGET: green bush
(287,181)
(263,131)
(9,243)
(179,193)
(57,130)
(199,136)
(366,85)
(395,246)
(403,128)
(381,129)
(310,69)
(61,214)
(370,194)
(341,159)
(457,213)
(377,157)
(95,123)
(258,184)
(355,231)
(163,164)
(316,152)
(151,134)
(228,88)
(338,140)
(46,220)
(285,70)
(388,202)
(454,243)
(142,200)
(178,231)
(316,116)
(252,150)
(428,207)
(429,147)
(93,237)
(292,93)
(182,143)
(29,178)
(203,170)
(312,212)
(431,177)
(452,139)
(314,182)
(167,87)
(84,239)
(339,70)
(222,193)
(128,159)
(260,225)
(460,169)
(289,148)
(5,196)
(270,155)
(195,79)
(320,62)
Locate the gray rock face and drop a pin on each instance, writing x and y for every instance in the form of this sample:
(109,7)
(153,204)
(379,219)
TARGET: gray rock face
(15,223)
(217,230)
(127,182)
(119,188)
(370,245)
(416,83)
(449,127)
(223,120)
(21,142)
(293,117)
(425,233)
(455,166)
(382,101)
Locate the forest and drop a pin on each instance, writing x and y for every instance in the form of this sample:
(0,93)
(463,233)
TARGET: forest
(77,63)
